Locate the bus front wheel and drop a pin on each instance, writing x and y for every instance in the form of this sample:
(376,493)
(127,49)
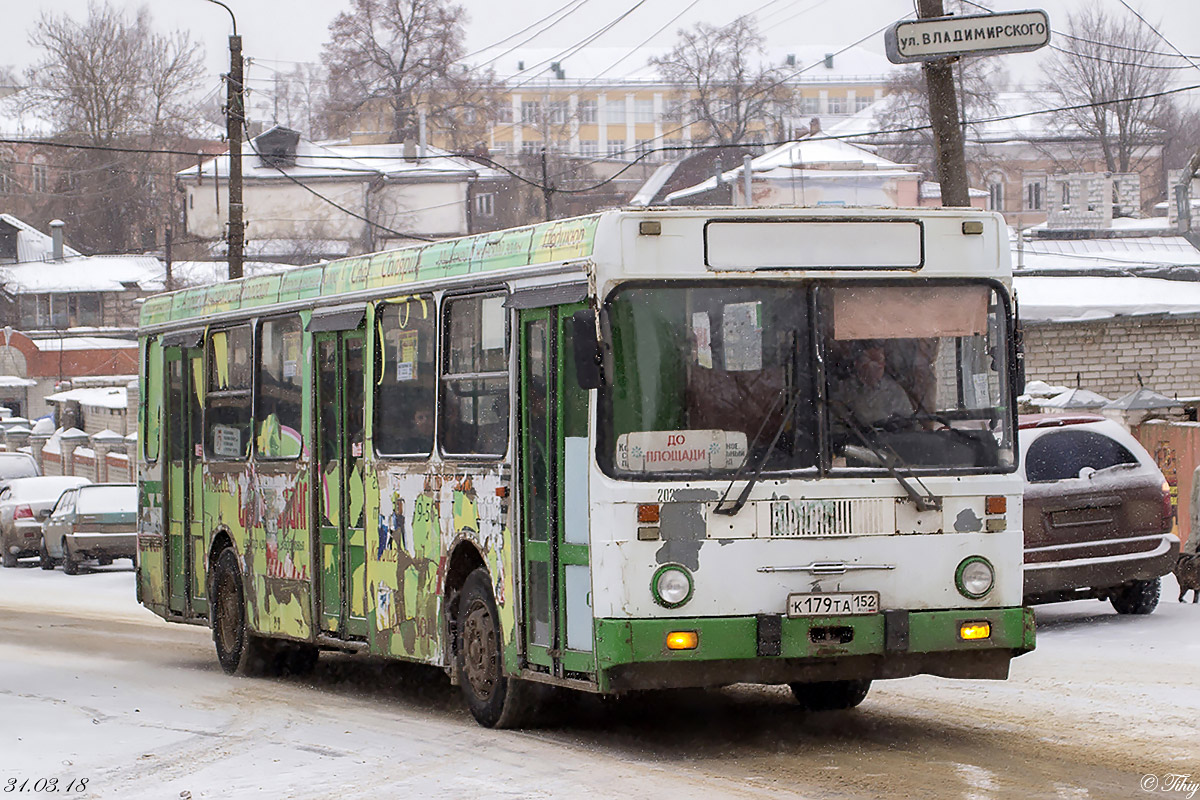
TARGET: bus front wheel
(494,699)
(239,651)
(830,695)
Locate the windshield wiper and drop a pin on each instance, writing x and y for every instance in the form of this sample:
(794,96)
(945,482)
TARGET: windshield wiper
(923,502)
(762,462)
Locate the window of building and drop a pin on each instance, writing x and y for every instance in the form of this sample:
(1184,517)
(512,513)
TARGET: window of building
(586,109)
(556,112)
(530,147)
(474,411)
(616,148)
(1033,195)
(995,188)
(41,177)
(531,112)
(504,113)
(1066,195)
(227,402)
(836,105)
(407,385)
(589,147)
(810,105)
(7,184)
(861,103)
(643,111)
(74,310)
(673,109)
(485,205)
(280,389)
(614,111)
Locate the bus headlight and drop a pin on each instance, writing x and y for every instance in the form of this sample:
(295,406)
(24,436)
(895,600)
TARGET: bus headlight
(671,586)
(975,577)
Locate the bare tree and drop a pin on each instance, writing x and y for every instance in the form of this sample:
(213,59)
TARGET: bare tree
(112,81)
(1103,65)
(724,80)
(398,58)
(111,75)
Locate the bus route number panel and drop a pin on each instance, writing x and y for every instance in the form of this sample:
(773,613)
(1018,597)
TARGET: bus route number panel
(827,604)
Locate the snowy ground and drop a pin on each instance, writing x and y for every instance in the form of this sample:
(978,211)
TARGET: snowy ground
(92,686)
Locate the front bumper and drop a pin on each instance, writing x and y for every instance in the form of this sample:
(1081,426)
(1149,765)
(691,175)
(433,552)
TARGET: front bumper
(632,654)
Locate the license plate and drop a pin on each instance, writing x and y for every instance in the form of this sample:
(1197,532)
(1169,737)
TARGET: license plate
(832,604)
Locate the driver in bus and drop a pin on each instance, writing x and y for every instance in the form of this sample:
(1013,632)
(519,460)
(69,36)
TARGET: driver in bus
(868,395)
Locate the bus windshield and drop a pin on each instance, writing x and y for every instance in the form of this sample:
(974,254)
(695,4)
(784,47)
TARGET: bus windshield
(711,379)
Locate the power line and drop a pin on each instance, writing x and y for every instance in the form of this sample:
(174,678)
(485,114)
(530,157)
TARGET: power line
(1158,33)
(577,3)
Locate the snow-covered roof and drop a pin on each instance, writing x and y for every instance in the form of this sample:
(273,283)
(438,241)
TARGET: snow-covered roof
(32,244)
(85,274)
(341,159)
(108,397)
(205,273)
(13,380)
(1076,298)
(69,343)
(1119,253)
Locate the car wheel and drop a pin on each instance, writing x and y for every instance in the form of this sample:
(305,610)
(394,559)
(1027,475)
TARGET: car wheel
(494,699)
(830,695)
(239,651)
(1136,597)
(70,565)
(44,559)
(9,560)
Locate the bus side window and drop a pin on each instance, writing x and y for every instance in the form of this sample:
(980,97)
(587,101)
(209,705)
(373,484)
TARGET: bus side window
(279,389)
(474,412)
(406,384)
(227,421)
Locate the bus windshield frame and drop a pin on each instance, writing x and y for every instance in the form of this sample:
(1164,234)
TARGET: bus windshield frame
(806,378)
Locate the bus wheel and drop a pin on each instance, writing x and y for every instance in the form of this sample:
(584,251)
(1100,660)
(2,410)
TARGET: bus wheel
(830,695)
(495,700)
(239,651)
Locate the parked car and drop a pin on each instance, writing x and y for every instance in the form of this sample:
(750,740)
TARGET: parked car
(1098,514)
(24,504)
(91,522)
(17,465)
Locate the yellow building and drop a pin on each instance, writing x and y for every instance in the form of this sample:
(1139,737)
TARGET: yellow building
(611,103)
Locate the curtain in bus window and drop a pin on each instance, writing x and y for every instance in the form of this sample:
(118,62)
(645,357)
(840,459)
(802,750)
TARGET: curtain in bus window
(406,382)
(474,412)
(227,421)
(280,389)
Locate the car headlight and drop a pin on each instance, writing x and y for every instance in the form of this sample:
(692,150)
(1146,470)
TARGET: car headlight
(671,585)
(975,577)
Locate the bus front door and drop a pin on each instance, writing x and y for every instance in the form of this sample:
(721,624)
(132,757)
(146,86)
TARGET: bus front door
(553,454)
(339,432)
(185,531)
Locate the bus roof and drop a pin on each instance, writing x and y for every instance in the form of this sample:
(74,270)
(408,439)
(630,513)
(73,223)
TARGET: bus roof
(545,244)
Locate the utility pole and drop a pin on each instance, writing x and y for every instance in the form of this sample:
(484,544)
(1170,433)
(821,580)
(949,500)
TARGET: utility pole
(944,117)
(170,281)
(235,117)
(547,189)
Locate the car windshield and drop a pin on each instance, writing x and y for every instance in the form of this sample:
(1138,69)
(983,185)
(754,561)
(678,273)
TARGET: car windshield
(107,500)
(708,378)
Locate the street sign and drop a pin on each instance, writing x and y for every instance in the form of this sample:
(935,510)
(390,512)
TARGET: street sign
(973,35)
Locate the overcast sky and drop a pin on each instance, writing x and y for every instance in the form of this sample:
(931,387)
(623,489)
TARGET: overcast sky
(276,33)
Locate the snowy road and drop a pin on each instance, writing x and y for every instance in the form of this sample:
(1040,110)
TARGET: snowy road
(92,686)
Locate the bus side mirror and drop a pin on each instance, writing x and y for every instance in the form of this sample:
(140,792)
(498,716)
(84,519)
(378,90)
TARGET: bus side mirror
(587,349)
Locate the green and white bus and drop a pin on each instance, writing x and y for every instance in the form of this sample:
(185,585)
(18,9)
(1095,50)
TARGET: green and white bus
(635,450)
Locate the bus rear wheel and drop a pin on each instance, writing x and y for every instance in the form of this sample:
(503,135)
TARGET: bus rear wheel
(239,651)
(494,699)
(830,695)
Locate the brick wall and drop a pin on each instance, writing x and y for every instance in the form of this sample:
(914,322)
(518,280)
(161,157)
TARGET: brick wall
(1108,354)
